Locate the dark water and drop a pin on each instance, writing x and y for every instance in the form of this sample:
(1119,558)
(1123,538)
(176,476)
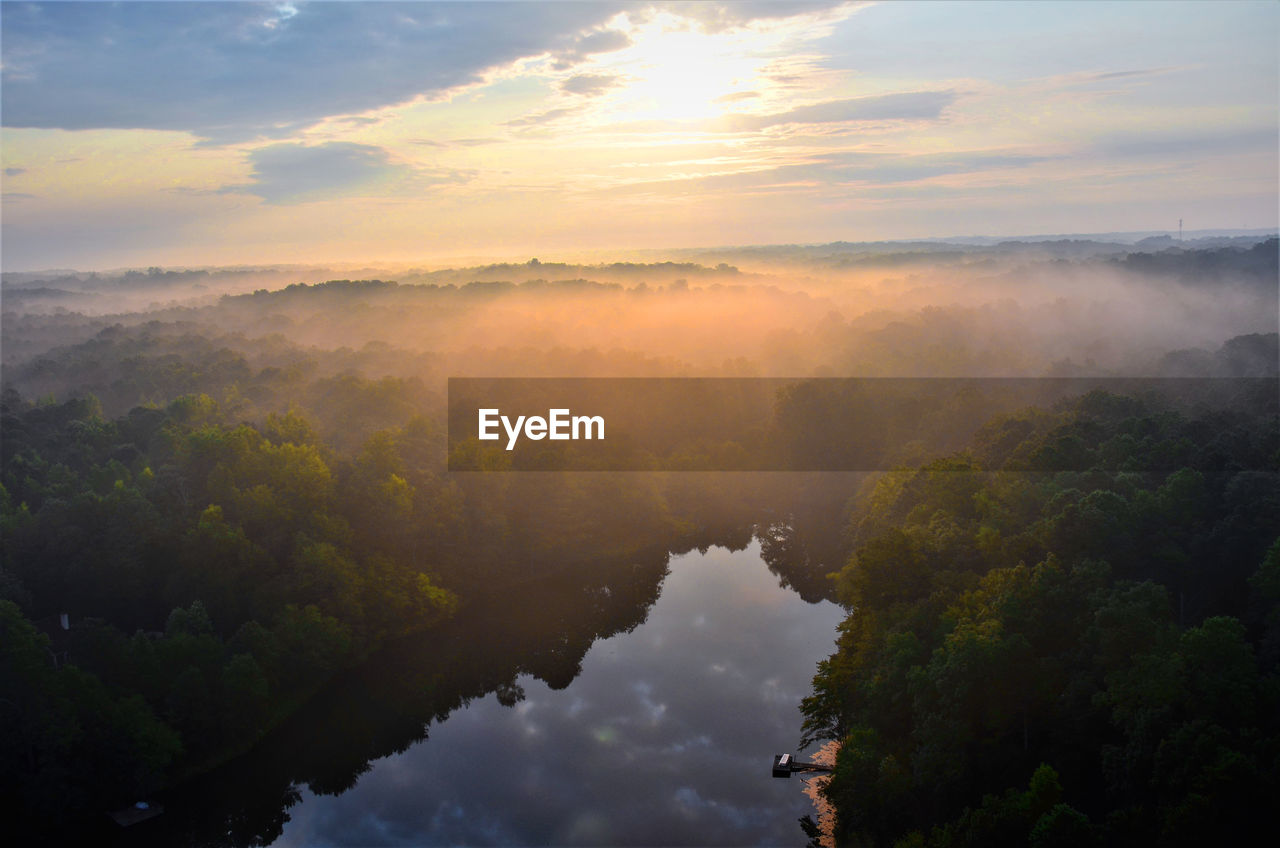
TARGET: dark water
(639,703)
(664,738)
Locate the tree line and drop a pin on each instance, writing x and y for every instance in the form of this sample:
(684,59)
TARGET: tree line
(1084,657)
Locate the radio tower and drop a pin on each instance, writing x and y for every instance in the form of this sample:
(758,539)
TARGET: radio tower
(1179,229)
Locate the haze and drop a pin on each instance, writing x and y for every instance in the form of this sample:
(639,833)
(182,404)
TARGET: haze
(139,134)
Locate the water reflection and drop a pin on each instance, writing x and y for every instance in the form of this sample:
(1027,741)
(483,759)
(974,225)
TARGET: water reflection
(664,738)
(577,710)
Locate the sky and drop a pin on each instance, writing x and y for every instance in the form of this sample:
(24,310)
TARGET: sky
(196,133)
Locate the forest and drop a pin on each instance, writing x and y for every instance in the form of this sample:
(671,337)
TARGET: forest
(1063,609)
(1072,658)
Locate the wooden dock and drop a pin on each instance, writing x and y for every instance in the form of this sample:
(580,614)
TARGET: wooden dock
(785,765)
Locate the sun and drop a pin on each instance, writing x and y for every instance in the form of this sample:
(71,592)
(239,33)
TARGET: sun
(683,76)
(678,72)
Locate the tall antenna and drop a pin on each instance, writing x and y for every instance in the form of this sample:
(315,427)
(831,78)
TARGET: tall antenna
(1179,229)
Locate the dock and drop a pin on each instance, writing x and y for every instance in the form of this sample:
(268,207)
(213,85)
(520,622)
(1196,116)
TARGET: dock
(785,765)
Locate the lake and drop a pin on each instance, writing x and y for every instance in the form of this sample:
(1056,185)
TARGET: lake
(641,706)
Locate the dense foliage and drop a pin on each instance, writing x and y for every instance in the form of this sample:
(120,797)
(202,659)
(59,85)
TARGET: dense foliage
(214,574)
(1063,659)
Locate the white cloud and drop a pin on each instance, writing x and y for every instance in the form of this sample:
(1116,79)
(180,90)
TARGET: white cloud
(298,173)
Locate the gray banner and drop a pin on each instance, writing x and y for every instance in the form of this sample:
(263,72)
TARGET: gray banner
(849,424)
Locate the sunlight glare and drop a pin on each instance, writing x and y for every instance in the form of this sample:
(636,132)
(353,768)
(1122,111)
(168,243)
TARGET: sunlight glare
(673,71)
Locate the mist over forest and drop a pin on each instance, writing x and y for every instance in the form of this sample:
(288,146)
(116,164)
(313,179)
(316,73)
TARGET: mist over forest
(233,480)
(1013,309)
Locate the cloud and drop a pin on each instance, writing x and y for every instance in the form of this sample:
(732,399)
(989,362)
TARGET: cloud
(1194,144)
(1102,76)
(589,84)
(13,172)
(717,17)
(233,72)
(1118,74)
(543,117)
(17,195)
(454,142)
(359,120)
(586,46)
(736,96)
(848,169)
(238,72)
(297,173)
(910,105)
(710,17)
(902,106)
(890,170)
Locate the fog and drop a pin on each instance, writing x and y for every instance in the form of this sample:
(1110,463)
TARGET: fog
(1013,309)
